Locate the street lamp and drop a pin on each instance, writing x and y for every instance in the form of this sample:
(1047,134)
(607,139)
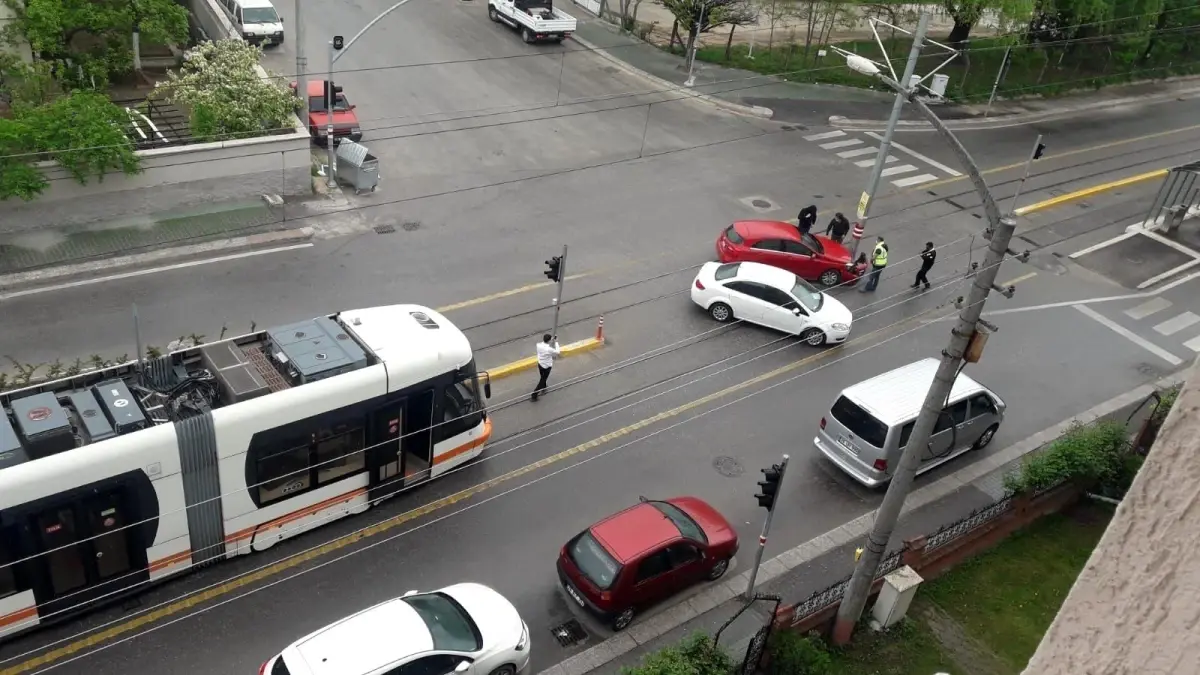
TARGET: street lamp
(966,341)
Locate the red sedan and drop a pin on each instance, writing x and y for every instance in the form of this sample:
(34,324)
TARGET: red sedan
(645,554)
(771,242)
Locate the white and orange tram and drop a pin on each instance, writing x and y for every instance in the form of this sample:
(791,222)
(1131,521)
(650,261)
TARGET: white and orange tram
(113,479)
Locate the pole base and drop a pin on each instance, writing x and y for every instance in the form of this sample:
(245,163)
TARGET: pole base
(843,630)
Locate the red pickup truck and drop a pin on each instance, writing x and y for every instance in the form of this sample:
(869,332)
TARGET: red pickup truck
(345,121)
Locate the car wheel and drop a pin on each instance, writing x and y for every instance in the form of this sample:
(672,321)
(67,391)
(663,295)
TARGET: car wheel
(527,35)
(718,570)
(813,336)
(830,278)
(721,312)
(504,670)
(621,621)
(492,13)
(987,437)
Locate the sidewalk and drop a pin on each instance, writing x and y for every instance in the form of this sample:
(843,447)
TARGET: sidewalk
(814,570)
(748,92)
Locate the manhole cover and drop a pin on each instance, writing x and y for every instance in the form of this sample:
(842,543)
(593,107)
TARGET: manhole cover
(570,633)
(760,203)
(728,467)
(410,225)
(384,229)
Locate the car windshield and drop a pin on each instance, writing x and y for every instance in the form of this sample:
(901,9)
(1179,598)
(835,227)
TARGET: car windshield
(317,104)
(812,243)
(259,15)
(732,235)
(449,624)
(809,297)
(596,564)
(687,527)
(726,271)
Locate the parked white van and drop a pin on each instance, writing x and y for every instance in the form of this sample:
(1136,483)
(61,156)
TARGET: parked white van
(257,20)
(866,429)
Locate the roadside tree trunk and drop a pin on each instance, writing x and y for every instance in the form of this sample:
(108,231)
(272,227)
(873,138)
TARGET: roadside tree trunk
(729,42)
(960,32)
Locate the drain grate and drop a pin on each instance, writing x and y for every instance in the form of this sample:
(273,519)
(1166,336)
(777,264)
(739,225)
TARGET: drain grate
(570,633)
(384,229)
(728,466)
(410,225)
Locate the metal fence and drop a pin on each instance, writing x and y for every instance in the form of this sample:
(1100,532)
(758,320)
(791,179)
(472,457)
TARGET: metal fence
(947,533)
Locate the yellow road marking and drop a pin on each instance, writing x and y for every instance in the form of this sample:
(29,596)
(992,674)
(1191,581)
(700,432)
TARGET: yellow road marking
(199,598)
(505,294)
(1089,191)
(1023,277)
(528,363)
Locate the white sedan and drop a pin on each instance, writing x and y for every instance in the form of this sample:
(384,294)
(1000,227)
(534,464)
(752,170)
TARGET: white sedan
(468,629)
(771,297)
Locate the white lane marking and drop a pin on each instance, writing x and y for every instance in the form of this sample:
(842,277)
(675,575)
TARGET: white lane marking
(871,162)
(1177,323)
(1173,244)
(151,270)
(1193,344)
(1130,335)
(1147,308)
(858,153)
(1169,273)
(903,168)
(827,134)
(1177,282)
(914,180)
(931,162)
(841,144)
(1096,247)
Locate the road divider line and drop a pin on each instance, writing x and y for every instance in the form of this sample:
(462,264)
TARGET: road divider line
(508,369)
(1130,335)
(202,596)
(505,294)
(935,164)
(1023,277)
(1090,191)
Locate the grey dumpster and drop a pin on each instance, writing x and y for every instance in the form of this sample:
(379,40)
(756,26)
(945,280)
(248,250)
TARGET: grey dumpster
(357,167)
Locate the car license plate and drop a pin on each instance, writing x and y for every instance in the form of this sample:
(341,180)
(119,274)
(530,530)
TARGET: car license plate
(845,443)
(574,594)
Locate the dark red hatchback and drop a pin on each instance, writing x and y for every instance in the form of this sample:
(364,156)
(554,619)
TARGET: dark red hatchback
(645,554)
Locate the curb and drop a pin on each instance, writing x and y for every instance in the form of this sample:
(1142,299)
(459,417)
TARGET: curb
(729,106)
(839,121)
(47,276)
(673,617)
(521,366)
(1090,192)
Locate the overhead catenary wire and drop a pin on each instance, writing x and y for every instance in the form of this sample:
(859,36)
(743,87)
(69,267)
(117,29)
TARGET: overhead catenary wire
(487,500)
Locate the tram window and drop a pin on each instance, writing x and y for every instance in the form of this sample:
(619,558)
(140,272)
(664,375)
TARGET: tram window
(340,456)
(460,408)
(283,474)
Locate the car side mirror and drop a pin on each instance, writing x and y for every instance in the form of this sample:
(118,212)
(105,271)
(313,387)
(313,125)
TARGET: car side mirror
(353,106)
(796,311)
(462,667)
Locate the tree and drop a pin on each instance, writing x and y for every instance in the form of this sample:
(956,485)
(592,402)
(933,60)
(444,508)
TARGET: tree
(93,39)
(83,131)
(966,13)
(702,16)
(220,84)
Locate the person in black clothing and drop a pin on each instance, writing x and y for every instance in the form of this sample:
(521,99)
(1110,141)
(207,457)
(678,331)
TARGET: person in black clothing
(806,219)
(928,256)
(838,227)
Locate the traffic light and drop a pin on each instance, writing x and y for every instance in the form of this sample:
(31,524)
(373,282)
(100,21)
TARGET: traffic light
(338,42)
(1041,147)
(331,95)
(769,486)
(555,265)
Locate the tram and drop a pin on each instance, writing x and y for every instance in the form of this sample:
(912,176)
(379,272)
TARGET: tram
(113,479)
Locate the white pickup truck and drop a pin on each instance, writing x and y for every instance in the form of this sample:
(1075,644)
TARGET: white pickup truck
(537,20)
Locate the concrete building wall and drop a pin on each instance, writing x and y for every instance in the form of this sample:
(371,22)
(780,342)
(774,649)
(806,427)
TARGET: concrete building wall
(1136,606)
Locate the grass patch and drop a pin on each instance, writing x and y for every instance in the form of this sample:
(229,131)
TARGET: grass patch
(1007,598)
(907,649)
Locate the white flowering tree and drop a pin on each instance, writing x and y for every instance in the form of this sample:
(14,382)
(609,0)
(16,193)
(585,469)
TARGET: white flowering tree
(221,88)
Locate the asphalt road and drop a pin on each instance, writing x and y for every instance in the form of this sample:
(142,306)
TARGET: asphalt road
(1047,364)
(449,100)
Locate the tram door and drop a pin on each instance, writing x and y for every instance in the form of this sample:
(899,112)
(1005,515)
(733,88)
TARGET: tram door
(86,550)
(401,445)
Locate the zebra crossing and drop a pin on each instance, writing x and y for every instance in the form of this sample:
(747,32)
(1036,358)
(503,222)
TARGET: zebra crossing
(863,154)
(1173,326)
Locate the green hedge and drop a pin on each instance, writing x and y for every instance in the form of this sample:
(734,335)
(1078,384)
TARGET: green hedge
(696,655)
(1097,453)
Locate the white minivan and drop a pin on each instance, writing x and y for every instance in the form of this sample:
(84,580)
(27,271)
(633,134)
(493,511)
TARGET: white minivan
(868,425)
(257,20)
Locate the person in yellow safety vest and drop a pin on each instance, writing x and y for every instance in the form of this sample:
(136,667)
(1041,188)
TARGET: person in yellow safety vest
(879,260)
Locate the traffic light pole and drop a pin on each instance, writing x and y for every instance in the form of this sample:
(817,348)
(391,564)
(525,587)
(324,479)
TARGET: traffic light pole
(331,160)
(1037,148)
(562,275)
(762,538)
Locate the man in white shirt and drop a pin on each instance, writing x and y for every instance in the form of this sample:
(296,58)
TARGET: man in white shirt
(547,351)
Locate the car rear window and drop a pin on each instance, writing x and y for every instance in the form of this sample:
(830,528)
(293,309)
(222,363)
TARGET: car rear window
(726,271)
(593,561)
(732,235)
(860,422)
